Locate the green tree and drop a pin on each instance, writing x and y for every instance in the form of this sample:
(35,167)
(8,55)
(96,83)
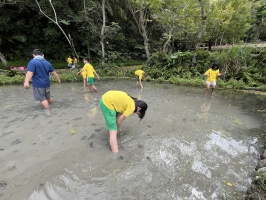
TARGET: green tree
(139,10)
(227,21)
(258,29)
(55,20)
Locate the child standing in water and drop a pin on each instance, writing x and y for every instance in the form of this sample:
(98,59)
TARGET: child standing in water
(211,75)
(117,106)
(140,75)
(90,74)
(87,73)
(83,73)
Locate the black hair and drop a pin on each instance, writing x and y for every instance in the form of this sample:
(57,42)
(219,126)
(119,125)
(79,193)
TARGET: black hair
(37,52)
(141,104)
(215,65)
(143,107)
(86,58)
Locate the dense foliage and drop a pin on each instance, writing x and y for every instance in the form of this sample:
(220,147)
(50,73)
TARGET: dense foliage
(244,68)
(167,34)
(172,25)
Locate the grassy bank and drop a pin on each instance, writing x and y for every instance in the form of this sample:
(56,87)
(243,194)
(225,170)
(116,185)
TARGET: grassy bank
(128,72)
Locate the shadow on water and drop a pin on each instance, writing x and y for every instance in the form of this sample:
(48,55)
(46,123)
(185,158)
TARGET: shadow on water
(188,146)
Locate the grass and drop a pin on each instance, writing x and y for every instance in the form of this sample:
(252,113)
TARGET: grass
(127,73)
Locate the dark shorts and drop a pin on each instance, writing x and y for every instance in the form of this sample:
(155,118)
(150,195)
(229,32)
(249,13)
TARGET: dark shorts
(41,94)
(137,77)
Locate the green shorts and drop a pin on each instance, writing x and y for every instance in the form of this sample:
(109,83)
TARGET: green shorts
(109,116)
(91,81)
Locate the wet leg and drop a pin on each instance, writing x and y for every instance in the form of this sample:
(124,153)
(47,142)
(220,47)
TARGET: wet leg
(45,104)
(90,88)
(96,90)
(207,89)
(213,90)
(50,101)
(113,140)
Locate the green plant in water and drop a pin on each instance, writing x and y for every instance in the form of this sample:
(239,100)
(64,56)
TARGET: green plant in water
(237,121)
(72,131)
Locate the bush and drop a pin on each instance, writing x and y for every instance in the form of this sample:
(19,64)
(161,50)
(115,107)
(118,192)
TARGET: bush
(160,79)
(148,78)
(235,84)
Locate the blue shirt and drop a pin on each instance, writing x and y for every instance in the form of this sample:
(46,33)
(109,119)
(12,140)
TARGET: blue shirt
(41,69)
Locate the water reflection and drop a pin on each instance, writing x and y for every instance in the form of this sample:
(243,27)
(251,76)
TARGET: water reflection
(68,187)
(228,144)
(205,108)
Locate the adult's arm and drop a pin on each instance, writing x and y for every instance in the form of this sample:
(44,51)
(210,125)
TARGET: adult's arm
(28,77)
(56,76)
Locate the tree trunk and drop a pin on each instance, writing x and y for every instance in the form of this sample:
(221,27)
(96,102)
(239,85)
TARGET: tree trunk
(141,22)
(68,37)
(167,41)
(2,58)
(203,18)
(209,45)
(102,33)
(143,26)
(221,41)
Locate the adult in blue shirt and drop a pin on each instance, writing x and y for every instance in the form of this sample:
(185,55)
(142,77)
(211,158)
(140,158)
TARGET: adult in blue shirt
(38,70)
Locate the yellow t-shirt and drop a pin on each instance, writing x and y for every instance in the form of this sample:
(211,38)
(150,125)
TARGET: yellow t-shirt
(213,74)
(69,60)
(85,70)
(90,71)
(139,73)
(119,101)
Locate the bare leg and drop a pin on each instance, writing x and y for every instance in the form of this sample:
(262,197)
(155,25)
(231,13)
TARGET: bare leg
(94,88)
(45,104)
(140,83)
(90,88)
(213,90)
(113,140)
(50,101)
(207,89)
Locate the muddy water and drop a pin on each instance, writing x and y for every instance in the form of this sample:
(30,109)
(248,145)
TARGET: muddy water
(187,147)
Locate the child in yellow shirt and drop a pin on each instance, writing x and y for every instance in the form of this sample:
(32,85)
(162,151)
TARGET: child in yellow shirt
(140,75)
(117,106)
(211,75)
